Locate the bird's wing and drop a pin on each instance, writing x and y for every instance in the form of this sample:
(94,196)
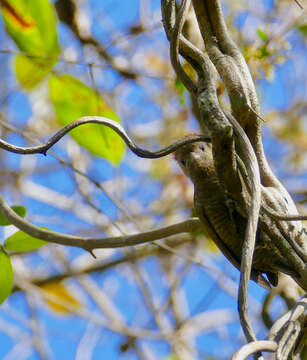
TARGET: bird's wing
(255,275)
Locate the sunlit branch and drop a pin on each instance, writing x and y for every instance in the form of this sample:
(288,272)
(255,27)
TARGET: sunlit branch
(282,337)
(253,348)
(42,149)
(292,315)
(90,243)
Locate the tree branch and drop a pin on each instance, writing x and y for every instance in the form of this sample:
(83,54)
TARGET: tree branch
(89,243)
(282,337)
(251,227)
(187,49)
(66,10)
(42,149)
(174,47)
(253,348)
(229,62)
(292,315)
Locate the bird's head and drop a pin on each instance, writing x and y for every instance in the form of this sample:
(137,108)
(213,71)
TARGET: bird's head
(195,159)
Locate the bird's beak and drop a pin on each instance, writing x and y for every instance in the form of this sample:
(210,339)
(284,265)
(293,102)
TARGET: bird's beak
(195,156)
(194,160)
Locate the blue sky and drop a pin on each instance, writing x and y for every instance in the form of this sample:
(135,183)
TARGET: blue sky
(65,333)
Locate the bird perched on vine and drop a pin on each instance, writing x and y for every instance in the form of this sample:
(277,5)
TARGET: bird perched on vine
(222,221)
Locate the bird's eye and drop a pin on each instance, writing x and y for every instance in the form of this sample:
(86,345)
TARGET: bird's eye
(182,162)
(202,147)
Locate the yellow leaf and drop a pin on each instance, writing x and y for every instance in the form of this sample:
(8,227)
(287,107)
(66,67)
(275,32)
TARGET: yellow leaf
(210,246)
(61,300)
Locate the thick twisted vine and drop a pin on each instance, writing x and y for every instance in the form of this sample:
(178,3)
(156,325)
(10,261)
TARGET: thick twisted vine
(234,137)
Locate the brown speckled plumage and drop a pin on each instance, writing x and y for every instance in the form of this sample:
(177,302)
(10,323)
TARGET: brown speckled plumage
(221,220)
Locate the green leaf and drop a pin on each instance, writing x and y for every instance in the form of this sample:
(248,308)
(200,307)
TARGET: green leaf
(31,72)
(179,86)
(263,52)
(21,242)
(262,35)
(32,25)
(171,357)
(20,210)
(6,275)
(180,90)
(303,29)
(73,99)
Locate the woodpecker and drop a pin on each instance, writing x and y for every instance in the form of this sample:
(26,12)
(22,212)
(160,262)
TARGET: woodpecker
(222,221)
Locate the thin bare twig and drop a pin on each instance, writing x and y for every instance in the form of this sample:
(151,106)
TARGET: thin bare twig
(89,243)
(42,149)
(299,5)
